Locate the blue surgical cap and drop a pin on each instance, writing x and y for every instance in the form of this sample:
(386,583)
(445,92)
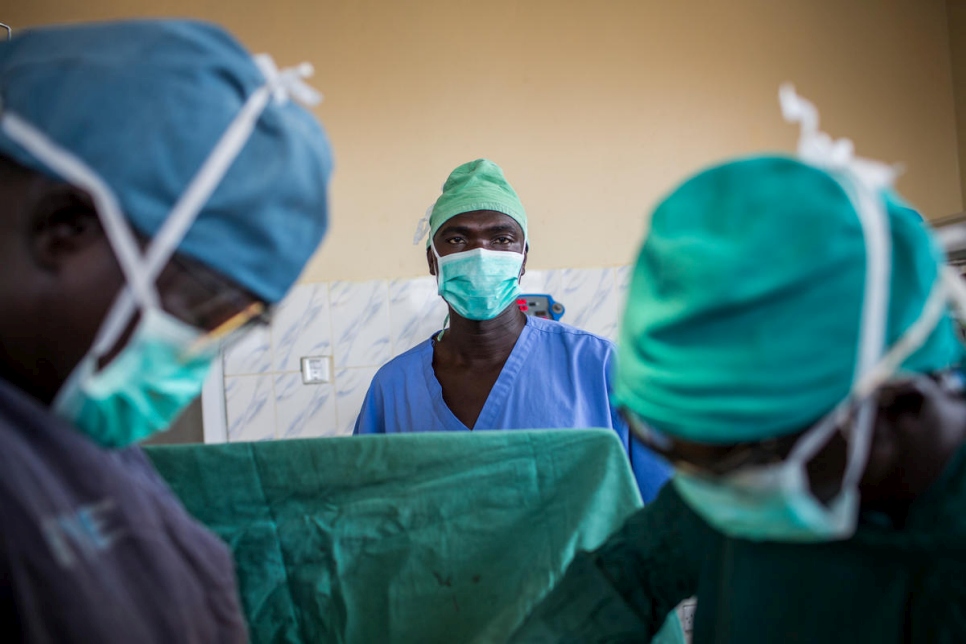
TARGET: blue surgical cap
(142,104)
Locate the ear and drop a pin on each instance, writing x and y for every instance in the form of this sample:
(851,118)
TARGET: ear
(431,261)
(900,407)
(523,267)
(63,222)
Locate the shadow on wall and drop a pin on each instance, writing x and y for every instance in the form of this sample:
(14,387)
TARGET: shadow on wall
(186,429)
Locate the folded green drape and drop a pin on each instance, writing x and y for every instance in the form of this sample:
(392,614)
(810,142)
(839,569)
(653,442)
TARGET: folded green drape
(431,537)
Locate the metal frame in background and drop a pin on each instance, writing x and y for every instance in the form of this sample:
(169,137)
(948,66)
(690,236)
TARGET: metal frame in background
(951,231)
(9,30)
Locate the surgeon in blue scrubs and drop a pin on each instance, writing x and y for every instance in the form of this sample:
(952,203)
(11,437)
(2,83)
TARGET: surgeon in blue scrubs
(493,367)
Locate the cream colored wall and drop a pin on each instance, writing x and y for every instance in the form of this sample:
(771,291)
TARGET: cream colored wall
(594,109)
(957,46)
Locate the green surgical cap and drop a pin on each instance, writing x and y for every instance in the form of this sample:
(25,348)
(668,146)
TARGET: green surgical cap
(742,319)
(477,185)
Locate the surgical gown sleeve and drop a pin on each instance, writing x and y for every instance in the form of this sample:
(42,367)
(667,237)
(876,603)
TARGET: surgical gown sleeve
(623,591)
(94,546)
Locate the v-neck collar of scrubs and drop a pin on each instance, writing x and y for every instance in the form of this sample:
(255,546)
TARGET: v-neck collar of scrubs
(498,395)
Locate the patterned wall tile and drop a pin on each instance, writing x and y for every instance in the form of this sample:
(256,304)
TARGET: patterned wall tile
(588,296)
(302,326)
(534,282)
(304,411)
(416,311)
(622,277)
(251,354)
(622,280)
(250,408)
(360,323)
(351,385)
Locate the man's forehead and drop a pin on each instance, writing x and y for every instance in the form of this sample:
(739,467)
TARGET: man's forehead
(482,220)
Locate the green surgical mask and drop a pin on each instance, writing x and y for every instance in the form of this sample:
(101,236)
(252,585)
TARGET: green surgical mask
(775,502)
(142,390)
(479,284)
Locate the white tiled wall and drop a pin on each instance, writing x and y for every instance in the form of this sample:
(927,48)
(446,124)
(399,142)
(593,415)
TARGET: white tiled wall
(359,326)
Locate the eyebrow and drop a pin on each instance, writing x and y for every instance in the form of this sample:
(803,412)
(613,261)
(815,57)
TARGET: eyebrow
(496,228)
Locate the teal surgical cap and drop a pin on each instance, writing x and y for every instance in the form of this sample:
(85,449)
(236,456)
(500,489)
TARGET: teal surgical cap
(142,104)
(477,185)
(743,315)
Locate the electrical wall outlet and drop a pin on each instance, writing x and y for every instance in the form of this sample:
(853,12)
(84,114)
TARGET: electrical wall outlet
(686,615)
(316,370)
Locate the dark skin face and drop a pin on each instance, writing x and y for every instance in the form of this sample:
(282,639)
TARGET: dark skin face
(919,426)
(61,277)
(471,354)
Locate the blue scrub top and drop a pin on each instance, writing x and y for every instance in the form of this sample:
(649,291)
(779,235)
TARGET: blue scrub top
(556,377)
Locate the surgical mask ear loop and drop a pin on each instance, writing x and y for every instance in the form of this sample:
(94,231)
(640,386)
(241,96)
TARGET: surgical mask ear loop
(863,181)
(439,336)
(860,439)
